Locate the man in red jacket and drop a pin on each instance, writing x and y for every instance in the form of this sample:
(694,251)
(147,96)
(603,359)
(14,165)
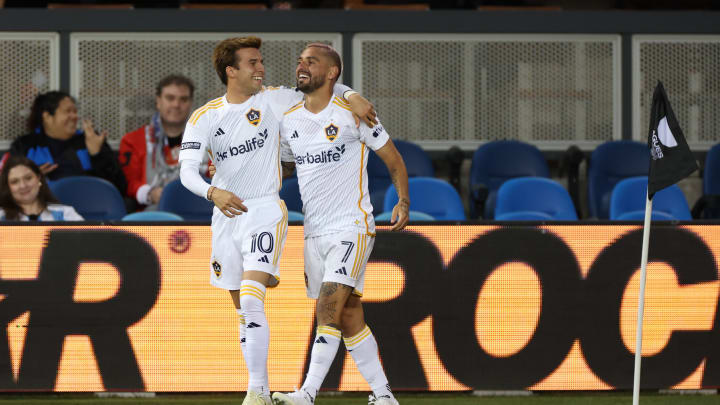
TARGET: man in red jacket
(149,155)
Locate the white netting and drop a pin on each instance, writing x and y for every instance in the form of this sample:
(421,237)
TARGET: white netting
(466,89)
(114,76)
(29,67)
(689,68)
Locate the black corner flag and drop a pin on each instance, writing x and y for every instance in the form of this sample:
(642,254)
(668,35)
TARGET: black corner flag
(671,160)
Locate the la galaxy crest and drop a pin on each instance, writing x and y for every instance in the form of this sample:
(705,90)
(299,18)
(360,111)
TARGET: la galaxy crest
(331,132)
(217,268)
(253,116)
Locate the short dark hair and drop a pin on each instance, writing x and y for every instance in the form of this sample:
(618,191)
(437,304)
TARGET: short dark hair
(45,102)
(331,53)
(224,53)
(7,202)
(176,79)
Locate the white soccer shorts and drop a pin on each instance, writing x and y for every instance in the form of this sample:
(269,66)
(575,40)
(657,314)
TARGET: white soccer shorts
(252,241)
(337,258)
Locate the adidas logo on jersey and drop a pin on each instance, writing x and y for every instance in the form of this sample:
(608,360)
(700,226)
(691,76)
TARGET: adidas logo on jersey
(321,339)
(328,156)
(249,146)
(341,271)
(294,135)
(219,132)
(264,259)
(253,325)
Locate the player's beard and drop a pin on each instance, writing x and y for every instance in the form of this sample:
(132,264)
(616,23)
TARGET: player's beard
(311,85)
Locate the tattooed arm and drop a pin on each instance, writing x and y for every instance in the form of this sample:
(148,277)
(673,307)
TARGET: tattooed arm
(398,173)
(288,168)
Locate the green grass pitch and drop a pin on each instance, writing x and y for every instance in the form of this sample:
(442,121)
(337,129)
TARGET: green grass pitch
(354,399)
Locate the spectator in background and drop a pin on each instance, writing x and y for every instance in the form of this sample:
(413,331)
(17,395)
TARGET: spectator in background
(60,149)
(26,196)
(149,155)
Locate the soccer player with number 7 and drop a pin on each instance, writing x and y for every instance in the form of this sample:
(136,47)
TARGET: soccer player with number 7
(249,222)
(331,155)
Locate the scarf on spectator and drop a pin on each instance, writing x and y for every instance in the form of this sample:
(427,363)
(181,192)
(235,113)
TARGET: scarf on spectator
(161,165)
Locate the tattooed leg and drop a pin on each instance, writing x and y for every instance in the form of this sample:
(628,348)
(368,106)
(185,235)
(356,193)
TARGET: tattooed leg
(331,302)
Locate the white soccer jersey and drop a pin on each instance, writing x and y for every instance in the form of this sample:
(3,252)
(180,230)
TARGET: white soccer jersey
(243,140)
(330,154)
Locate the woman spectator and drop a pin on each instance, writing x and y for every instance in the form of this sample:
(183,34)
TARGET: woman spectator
(60,149)
(25,195)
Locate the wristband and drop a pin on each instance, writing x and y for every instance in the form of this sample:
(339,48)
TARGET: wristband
(211,190)
(348,94)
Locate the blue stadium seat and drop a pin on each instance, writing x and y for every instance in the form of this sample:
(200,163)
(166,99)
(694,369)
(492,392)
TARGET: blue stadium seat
(711,174)
(179,200)
(495,162)
(94,198)
(418,164)
(152,216)
(295,216)
(525,216)
(628,201)
(431,196)
(290,193)
(708,206)
(610,163)
(414,216)
(533,198)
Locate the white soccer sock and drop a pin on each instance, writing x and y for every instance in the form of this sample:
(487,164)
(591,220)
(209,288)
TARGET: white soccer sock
(364,350)
(257,334)
(241,332)
(327,341)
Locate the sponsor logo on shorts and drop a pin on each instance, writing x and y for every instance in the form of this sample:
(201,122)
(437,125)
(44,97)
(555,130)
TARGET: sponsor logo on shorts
(341,271)
(321,340)
(253,325)
(190,145)
(264,259)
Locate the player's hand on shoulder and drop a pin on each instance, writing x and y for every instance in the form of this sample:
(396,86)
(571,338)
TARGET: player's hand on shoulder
(363,110)
(400,214)
(228,203)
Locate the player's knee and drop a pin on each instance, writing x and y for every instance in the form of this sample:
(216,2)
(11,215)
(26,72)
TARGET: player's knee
(252,297)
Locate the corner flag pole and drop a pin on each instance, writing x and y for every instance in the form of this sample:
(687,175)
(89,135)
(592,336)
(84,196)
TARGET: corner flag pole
(641,299)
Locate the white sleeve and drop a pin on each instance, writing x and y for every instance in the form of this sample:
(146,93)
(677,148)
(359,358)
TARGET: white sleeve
(191,179)
(195,139)
(340,89)
(375,138)
(282,98)
(143,194)
(286,154)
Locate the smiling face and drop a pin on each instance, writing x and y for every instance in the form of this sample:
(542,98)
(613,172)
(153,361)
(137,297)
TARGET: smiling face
(24,184)
(63,123)
(249,72)
(314,70)
(174,103)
